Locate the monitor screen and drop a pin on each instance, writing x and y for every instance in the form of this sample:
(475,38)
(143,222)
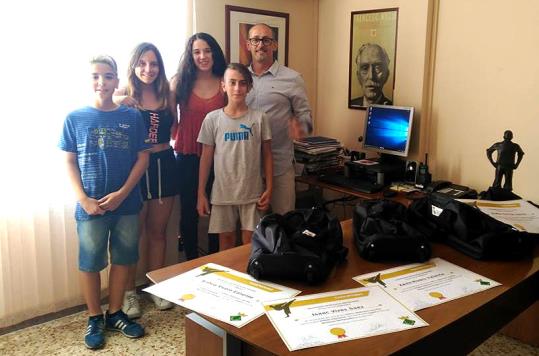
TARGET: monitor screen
(388,129)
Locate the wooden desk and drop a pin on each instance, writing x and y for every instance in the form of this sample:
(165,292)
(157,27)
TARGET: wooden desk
(523,328)
(456,327)
(312,181)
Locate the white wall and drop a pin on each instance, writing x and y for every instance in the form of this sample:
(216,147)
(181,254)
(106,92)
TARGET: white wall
(486,80)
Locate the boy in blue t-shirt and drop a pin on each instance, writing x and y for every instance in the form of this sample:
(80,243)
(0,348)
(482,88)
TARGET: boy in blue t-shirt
(105,157)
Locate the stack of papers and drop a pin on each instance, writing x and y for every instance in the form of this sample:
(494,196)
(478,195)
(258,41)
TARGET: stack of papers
(317,153)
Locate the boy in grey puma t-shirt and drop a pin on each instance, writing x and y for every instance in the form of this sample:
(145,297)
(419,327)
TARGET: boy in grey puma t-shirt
(238,142)
(238,182)
(237,155)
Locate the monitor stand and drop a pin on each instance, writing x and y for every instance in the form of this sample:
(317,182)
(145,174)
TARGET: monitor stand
(386,159)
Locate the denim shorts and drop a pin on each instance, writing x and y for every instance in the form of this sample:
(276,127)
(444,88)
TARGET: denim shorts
(117,233)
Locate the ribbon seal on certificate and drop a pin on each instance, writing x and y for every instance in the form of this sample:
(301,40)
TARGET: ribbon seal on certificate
(437,295)
(339,332)
(186,297)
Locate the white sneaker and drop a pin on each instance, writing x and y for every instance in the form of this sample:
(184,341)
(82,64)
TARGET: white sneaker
(161,304)
(131,304)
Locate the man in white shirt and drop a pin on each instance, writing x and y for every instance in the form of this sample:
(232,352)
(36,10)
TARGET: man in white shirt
(280,93)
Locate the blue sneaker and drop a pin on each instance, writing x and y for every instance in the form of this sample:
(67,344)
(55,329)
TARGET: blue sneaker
(95,332)
(120,322)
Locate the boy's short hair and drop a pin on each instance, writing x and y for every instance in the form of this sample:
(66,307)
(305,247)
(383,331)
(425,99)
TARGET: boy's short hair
(105,59)
(243,71)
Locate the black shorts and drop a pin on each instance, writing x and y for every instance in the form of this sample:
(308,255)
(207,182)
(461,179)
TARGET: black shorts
(160,177)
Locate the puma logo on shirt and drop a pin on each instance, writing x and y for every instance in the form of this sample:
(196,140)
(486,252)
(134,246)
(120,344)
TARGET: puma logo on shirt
(239,135)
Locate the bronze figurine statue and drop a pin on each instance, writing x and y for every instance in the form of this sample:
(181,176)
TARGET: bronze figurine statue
(505,161)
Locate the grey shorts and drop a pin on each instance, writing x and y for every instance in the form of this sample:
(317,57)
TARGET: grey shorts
(224,218)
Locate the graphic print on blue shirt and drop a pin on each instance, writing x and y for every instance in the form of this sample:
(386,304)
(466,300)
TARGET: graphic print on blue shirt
(240,135)
(108,137)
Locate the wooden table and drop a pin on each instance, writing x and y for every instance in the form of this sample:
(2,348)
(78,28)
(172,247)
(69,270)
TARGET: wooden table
(523,328)
(456,327)
(313,181)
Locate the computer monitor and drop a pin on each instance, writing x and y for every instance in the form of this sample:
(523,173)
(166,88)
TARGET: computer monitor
(388,129)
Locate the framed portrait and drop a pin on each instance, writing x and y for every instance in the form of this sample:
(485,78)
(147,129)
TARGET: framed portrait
(373,45)
(238,21)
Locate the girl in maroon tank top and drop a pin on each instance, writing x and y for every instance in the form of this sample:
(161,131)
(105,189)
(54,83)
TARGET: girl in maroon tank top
(195,91)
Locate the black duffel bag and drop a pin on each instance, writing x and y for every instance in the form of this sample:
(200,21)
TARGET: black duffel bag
(382,232)
(468,229)
(303,244)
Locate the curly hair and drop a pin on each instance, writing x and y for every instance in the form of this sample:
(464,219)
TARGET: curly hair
(160,84)
(187,69)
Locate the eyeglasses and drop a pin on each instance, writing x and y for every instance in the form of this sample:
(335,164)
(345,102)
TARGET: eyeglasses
(266,41)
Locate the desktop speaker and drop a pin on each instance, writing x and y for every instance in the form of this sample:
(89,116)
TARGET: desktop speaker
(356,156)
(410,174)
(380,178)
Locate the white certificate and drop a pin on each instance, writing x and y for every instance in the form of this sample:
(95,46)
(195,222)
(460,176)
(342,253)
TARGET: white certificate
(422,285)
(221,293)
(520,214)
(327,318)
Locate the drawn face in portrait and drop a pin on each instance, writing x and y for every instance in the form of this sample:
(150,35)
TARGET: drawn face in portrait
(373,45)
(372,73)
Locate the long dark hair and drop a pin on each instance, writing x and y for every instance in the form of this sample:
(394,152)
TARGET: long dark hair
(160,84)
(187,69)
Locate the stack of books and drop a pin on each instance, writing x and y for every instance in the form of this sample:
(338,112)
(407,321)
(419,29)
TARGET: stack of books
(317,153)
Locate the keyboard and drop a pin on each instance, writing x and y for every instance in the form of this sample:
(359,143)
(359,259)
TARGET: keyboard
(359,185)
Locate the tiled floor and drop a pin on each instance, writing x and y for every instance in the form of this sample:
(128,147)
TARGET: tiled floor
(164,336)
(64,336)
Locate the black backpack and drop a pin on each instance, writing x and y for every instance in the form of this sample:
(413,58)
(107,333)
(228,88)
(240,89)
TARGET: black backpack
(303,244)
(468,229)
(382,232)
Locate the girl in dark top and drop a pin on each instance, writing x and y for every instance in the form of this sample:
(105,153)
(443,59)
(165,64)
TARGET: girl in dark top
(195,91)
(148,90)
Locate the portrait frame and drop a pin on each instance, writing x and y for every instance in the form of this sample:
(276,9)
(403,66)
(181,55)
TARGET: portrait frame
(377,27)
(238,21)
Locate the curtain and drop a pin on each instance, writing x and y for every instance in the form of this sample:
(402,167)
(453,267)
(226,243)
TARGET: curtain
(45,76)
(38,260)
